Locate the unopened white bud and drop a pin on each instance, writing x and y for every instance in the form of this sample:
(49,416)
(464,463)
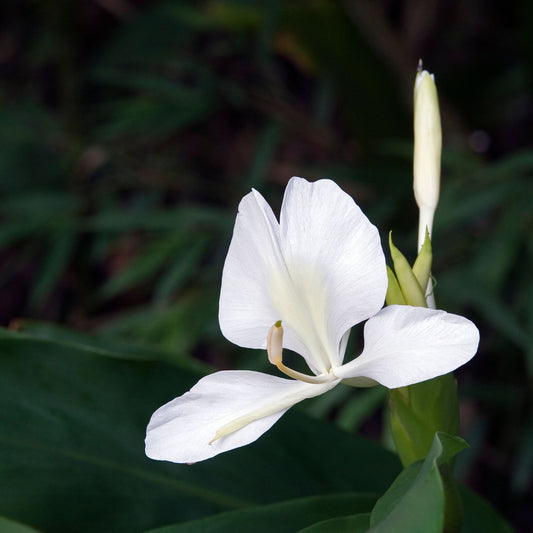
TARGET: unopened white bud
(427,151)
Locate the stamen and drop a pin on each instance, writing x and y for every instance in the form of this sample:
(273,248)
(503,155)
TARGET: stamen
(275,343)
(275,356)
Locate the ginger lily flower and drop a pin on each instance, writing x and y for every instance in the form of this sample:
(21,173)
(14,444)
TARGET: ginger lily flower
(302,284)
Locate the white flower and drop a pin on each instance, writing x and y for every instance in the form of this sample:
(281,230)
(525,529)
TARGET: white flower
(302,284)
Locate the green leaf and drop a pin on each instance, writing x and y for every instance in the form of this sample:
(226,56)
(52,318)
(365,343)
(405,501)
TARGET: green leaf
(59,253)
(183,219)
(411,290)
(480,516)
(394,293)
(29,158)
(456,207)
(234,16)
(181,269)
(357,523)
(160,117)
(363,88)
(288,516)
(175,328)
(72,433)
(152,259)
(267,144)
(496,311)
(36,332)
(422,265)
(415,500)
(46,204)
(494,260)
(160,34)
(360,407)
(9,526)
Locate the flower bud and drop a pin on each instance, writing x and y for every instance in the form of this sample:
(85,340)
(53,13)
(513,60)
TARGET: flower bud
(427,150)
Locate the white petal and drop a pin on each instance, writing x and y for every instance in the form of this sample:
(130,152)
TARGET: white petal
(335,261)
(247,402)
(321,275)
(256,287)
(406,345)
(245,311)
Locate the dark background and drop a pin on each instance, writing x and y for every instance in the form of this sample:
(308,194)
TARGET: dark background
(129,130)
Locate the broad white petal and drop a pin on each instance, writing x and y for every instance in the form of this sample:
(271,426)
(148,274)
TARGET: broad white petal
(335,262)
(406,345)
(247,402)
(321,274)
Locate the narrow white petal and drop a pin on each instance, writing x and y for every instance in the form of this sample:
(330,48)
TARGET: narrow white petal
(406,345)
(256,287)
(243,404)
(245,311)
(335,263)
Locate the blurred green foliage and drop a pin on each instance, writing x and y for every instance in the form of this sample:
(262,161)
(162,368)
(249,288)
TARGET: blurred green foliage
(129,130)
